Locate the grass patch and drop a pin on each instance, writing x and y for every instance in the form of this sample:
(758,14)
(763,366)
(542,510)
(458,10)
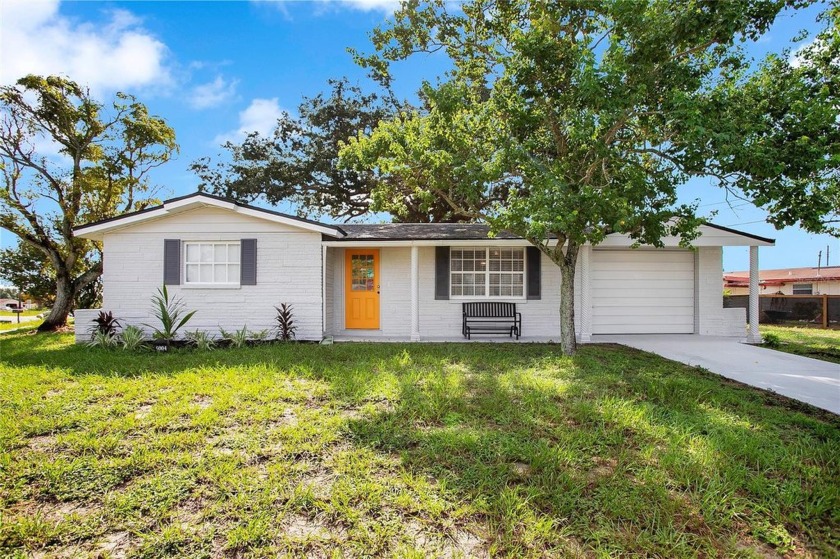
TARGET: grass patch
(27,312)
(23,326)
(809,342)
(408,450)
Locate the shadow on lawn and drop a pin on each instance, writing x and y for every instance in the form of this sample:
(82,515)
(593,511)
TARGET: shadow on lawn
(628,454)
(613,449)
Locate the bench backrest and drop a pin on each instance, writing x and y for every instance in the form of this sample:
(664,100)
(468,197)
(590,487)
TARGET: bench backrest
(490,310)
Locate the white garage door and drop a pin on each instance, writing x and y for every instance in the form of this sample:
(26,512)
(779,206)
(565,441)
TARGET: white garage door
(642,292)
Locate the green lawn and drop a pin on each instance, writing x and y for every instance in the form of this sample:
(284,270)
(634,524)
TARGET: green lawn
(403,450)
(30,312)
(810,342)
(15,325)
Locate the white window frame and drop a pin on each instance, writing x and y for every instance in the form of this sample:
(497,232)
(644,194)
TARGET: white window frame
(228,244)
(810,286)
(487,273)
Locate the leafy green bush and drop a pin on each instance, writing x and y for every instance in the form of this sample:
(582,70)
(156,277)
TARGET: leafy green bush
(201,340)
(772,340)
(170,314)
(103,339)
(131,337)
(237,338)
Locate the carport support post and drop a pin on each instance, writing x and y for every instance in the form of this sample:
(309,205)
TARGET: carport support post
(415,294)
(754,337)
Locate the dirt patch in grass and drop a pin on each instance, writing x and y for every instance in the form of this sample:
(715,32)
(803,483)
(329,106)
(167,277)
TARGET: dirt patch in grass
(41,443)
(202,402)
(142,411)
(115,544)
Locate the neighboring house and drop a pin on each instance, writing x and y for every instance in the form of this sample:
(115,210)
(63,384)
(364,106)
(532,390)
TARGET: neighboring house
(233,263)
(787,281)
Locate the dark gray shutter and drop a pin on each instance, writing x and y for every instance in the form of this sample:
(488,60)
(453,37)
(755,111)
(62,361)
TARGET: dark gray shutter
(533,258)
(441,272)
(248,262)
(172,261)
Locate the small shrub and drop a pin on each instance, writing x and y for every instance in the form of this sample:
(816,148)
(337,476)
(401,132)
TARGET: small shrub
(201,340)
(237,338)
(131,338)
(260,335)
(285,322)
(772,340)
(101,339)
(170,314)
(105,323)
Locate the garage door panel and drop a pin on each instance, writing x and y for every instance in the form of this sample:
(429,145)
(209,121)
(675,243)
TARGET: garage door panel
(642,292)
(662,312)
(637,266)
(645,287)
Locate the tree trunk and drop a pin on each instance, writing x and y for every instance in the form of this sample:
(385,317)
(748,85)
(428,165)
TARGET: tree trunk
(568,343)
(62,307)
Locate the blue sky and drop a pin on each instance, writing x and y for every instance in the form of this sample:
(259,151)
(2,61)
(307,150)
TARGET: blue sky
(217,70)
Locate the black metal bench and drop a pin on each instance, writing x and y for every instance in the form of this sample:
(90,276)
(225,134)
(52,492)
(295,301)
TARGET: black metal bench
(491,318)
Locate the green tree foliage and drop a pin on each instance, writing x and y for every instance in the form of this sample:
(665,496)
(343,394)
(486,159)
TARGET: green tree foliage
(785,122)
(104,155)
(26,267)
(299,162)
(29,269)
(577,120)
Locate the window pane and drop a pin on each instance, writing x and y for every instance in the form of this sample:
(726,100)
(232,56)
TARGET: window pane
(220,253)
(233,253)
(192,273)
(233,273)
(220,273)
(206,273)
(192,253)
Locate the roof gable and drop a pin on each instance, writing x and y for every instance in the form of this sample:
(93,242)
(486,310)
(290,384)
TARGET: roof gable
(174,206)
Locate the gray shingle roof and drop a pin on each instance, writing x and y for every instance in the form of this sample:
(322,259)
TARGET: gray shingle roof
(419,232)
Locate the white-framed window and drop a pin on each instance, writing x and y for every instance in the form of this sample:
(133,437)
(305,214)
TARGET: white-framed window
(803,288)
(211,263)
(494,272)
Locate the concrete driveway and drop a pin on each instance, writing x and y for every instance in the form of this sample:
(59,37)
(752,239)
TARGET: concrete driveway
(802,378)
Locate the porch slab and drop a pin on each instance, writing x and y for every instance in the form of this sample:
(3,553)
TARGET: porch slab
(801,378)
(445,339)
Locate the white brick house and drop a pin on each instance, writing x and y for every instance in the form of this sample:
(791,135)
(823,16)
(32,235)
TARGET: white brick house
(233,263)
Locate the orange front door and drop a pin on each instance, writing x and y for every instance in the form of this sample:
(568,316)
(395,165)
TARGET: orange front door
(362,288)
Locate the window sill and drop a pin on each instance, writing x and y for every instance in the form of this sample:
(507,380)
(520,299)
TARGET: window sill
(211,286)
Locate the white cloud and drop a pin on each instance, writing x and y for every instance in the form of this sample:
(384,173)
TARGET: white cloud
(321,6)
(212,94)
(121,54)
(368,5)
(260,116)
(797,56)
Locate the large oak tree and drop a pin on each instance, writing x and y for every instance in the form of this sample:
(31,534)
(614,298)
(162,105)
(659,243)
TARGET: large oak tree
(590,114)
(298,163)
(67,159)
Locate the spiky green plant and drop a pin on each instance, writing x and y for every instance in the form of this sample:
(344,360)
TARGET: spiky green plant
(131,337)
(102,339)
(201,340)
(237,338)
(170,314)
